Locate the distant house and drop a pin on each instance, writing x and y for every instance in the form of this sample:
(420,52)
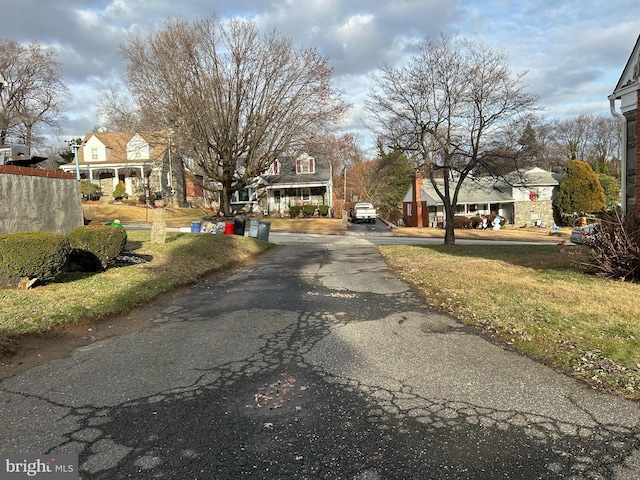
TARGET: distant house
(288,182)
(627,93)
(524,197)
(141,161)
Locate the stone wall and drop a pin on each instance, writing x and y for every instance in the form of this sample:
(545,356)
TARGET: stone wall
(35,199)
(526,213)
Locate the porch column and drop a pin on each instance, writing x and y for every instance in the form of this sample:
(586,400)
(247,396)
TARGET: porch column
(116,178)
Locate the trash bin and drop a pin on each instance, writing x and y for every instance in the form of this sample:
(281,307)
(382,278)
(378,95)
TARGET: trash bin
(263,231)
(238,225)
(228,228)
(195,227)
(253,228)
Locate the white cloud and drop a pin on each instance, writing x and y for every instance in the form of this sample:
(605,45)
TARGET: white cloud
(574,50)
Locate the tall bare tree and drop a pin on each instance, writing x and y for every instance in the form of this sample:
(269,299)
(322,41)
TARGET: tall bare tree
(236,98)
(447,107)
(32,92)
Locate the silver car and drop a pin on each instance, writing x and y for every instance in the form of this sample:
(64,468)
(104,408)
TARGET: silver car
(583,234)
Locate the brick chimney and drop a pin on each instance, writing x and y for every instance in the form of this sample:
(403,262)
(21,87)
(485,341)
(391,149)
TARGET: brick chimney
(416,200)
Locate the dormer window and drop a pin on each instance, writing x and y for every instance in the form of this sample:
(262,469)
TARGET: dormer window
(305,164)
(274,168)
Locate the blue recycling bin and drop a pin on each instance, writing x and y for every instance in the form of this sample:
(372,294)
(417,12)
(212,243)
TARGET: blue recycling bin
(195,227)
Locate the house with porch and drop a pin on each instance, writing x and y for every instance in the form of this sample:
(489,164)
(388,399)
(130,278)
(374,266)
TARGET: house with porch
(133,159)
(143,163)
(289,181)
(624,102)
(523,197)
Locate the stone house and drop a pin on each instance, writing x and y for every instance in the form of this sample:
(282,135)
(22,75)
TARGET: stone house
(523,197)
(626,97)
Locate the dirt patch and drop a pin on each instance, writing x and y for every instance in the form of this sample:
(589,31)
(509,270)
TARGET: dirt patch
(36,349)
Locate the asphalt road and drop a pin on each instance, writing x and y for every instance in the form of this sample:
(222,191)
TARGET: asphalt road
(314,361)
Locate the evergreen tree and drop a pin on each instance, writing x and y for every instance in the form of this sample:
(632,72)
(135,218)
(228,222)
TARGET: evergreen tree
(612,190)
(579,192)
(395,169)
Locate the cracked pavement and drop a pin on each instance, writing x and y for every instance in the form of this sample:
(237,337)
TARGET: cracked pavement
(314,361)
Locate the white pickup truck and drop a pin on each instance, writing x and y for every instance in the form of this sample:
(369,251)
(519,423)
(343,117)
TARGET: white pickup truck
(363,212)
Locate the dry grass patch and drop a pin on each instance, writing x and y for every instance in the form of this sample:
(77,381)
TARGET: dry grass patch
(74,297)
(541,300)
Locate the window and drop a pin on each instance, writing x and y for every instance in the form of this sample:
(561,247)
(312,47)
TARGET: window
(94,154)
(274,168)
(247,194)
(305,164)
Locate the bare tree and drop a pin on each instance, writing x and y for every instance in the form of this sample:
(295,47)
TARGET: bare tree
(237,99)
(117,112)
(448,107)
(32,92)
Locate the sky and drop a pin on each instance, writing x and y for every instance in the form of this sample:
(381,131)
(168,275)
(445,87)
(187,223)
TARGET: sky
(573,51)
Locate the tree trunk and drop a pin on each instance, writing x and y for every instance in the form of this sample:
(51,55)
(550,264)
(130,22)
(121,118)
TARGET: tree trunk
(449,231)
(225,199)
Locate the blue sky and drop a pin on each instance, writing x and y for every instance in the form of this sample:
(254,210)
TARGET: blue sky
(574,51)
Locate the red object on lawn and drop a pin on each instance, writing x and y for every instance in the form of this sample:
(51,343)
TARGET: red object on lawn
(228,228)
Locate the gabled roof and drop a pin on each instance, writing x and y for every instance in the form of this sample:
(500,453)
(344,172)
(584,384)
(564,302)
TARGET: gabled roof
(534,177)
(116,144)
(631,73)
(287,174)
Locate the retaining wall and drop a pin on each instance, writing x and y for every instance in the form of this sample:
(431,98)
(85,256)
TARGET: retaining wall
(35,199)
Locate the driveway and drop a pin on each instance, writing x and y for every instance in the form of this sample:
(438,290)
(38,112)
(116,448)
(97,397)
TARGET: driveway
(314,361)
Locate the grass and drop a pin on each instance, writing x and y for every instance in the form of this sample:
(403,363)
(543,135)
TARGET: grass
(75,297)
(540,300)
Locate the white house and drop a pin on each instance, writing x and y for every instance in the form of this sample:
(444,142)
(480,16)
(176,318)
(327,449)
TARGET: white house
(523,197)
(626,97)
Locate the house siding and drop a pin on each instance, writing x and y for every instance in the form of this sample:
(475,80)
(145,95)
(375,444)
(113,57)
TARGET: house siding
(631,167)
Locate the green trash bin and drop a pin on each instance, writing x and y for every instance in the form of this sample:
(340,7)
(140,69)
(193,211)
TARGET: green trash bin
(263,231)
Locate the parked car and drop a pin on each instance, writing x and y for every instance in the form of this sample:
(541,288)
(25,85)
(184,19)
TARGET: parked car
(583,234)
(363,212)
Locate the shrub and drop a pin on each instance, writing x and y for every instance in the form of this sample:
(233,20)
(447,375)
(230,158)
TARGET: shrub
(476,221)
(294,211)
(460,221)
(580,192)
(119,191)
(323,210)
(615,247)
(309,210)
(32,255)
(94,246)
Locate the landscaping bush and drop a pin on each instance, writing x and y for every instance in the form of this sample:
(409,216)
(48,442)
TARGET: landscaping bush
(294,211)
(119,192)
(615,247)
(460,221)
(323,210)
(476,221)
(94,246)
(32,255)
(309,210)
